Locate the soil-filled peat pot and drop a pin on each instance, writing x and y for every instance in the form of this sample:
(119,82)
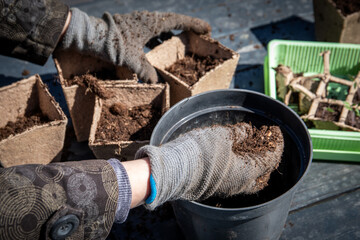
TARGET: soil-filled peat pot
(123,122)
(258,216)
(219,64)
(80,98)
(337,21)
(32,124)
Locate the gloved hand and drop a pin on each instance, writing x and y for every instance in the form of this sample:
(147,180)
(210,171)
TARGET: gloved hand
(120,39)
(214,161)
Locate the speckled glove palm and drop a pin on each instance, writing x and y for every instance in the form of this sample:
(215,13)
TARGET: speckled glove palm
(120,39)
(214,161)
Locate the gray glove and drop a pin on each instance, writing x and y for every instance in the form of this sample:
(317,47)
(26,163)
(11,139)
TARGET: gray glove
(120,39)
(214,161)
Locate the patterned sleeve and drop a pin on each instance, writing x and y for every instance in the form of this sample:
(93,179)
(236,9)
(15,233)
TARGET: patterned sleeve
(30,30)
(37,200)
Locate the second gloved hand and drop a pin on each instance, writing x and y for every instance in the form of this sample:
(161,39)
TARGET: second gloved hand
(213,161)
(120,38)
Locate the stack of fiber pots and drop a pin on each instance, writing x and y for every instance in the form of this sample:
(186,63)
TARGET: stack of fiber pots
(259,216)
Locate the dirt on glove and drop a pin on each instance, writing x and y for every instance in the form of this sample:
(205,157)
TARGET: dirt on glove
(192,67)
(23,123)
(120,123)
(91,82)
(258,142)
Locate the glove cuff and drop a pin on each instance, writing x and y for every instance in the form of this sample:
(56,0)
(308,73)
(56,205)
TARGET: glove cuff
(174,168)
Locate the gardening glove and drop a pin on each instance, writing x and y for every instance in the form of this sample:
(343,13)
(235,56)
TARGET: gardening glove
(120,39)
(213,161)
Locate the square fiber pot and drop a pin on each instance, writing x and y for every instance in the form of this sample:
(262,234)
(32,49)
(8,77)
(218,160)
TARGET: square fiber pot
(174,49)
(79,100)
(130,95)
(304,56)
(39,144)
(332,26)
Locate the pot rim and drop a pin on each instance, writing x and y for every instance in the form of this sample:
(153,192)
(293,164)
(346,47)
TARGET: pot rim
(272,201)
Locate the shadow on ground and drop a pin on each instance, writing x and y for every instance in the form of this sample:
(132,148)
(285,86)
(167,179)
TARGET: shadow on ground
(291,28)
(250,77)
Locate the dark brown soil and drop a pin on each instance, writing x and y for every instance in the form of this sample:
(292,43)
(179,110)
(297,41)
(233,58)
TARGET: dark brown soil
(259,140)
(90,81)
(328,112)
(348,7)
(119,123)
(356,99)
(353,120)
(22,123)
(191,68)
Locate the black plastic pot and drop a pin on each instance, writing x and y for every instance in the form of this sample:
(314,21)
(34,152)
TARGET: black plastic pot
(259,216)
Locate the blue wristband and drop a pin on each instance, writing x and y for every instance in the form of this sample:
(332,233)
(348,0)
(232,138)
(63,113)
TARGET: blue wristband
(153,192)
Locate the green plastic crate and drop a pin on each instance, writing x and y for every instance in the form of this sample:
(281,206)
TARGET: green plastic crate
(305,57)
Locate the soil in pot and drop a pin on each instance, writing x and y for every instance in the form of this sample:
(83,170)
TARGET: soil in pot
(281,180)
(192,67)
(356,99)
(22,123)
(91,82)
(328,112)
(347,7)
(353,119)
(120,123)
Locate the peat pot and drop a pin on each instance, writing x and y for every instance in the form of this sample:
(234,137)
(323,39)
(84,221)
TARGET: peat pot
(258,216)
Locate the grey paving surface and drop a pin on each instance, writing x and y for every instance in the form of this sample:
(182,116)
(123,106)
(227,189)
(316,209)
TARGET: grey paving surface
(326,205)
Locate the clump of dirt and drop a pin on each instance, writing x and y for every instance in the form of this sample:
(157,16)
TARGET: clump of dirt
(119,109)
(192,67)
(347,7)
(258,141)
(328,112)
(91,82)
(120,123)
(22,123)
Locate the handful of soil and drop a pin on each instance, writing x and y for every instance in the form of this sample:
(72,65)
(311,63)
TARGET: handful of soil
(22,123)
(90,81)
(259,150)
(258,143)
(120,123)
(192,67)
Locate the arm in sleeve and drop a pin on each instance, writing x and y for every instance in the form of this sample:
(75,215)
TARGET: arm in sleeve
(30,30)
(35,199)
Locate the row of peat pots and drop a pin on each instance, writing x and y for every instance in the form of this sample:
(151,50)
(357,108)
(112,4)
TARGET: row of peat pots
(109,107)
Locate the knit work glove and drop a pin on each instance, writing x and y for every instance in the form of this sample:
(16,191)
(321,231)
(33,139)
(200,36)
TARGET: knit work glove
(120,39)
(213,161)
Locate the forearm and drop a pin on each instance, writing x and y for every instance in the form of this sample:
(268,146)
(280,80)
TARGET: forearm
(139,176)
(66,25)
